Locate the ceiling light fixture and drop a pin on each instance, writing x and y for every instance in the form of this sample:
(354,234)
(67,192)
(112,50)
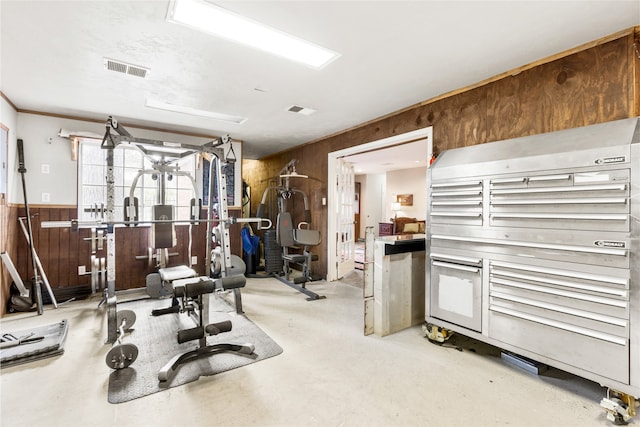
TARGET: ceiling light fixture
(222,23)
(195,112)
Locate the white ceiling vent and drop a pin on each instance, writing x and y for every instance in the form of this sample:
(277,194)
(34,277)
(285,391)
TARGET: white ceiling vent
(124,68)
(301,110)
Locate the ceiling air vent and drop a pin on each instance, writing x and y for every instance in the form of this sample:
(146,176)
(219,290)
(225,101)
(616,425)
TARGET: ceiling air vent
(124,68)
(301,110)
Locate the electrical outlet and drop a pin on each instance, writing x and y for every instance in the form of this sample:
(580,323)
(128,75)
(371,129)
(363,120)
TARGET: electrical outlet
(46,197)
(194,260)
(44,168)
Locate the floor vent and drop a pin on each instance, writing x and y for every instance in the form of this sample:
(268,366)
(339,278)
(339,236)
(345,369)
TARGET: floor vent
(124,68)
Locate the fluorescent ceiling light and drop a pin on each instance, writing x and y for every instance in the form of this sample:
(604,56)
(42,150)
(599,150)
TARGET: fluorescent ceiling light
(195,112)
(222,23)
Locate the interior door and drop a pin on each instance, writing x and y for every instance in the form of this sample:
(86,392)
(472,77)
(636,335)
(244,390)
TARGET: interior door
(345,239)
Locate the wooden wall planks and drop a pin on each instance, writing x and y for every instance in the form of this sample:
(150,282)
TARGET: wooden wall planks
(591,86)
(62,251)
(585,88)
(7,244)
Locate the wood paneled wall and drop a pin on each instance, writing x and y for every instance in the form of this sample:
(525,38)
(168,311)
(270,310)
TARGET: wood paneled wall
(595,85)
(61,250)
(7,244)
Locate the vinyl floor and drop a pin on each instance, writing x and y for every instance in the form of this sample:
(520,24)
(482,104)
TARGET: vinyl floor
(329,374)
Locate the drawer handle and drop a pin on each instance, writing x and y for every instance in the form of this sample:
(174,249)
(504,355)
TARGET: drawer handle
(550,178)
(518,180)
(458,214)
(562,309)
(566,273)
(456,267)
(618,187)
(458,203)
(559,292)
(566,283)
(456,184)
(560,325)
(559,201)
(583,217)
(456,193)
(550,246)
(455,258)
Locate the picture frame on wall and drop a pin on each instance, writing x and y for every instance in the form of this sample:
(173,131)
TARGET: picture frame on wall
(405,199)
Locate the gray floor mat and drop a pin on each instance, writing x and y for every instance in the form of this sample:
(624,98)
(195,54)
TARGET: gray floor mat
(52,344)
(155,338)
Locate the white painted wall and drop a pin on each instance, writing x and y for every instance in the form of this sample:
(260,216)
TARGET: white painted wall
(371,204)
(9,118)
(61,181)
(379,191)
(408,181)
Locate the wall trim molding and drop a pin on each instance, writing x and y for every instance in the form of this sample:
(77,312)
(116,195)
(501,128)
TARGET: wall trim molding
(41,206)
(87,119)
(6,98)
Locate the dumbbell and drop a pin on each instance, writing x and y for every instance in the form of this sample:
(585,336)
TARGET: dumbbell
(123,355)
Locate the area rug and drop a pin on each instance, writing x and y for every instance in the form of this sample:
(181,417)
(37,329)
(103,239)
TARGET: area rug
(156,340)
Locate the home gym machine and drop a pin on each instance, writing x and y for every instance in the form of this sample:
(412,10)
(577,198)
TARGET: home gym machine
(195,293)
(164,167)
(197,289)
(290,243)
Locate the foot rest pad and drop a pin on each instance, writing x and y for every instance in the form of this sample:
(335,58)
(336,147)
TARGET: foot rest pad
(233,282)
(199,288)
(186,335)
(218,328)
(163,311)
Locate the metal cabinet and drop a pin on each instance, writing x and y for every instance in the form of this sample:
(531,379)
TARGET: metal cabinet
(533,246)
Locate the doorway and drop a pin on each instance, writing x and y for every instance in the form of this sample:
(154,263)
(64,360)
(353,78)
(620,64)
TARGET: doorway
(336,159)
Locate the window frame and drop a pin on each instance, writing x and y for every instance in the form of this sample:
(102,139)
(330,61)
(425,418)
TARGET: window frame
(146,188)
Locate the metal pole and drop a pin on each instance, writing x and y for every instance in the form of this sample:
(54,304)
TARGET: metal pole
(36,279)
(110,290)
(45,279)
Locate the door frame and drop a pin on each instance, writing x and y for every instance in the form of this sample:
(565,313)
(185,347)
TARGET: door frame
(424,133)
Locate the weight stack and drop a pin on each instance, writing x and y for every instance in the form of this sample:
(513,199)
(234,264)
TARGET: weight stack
(272,253)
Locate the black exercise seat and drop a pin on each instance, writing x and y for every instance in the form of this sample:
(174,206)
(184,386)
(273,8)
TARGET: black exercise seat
(291,238)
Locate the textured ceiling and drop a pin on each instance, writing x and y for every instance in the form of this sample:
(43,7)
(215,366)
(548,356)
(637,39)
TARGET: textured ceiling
(393,54)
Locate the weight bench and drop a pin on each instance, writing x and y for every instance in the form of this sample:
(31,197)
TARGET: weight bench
(159,285)
(195,305)
(223,284)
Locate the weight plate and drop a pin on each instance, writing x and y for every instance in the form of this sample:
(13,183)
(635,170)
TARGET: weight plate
(238,267)
(121,356)
(128,316)
(216,265)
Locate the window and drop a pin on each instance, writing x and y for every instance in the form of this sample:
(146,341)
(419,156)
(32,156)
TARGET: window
(128,161)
